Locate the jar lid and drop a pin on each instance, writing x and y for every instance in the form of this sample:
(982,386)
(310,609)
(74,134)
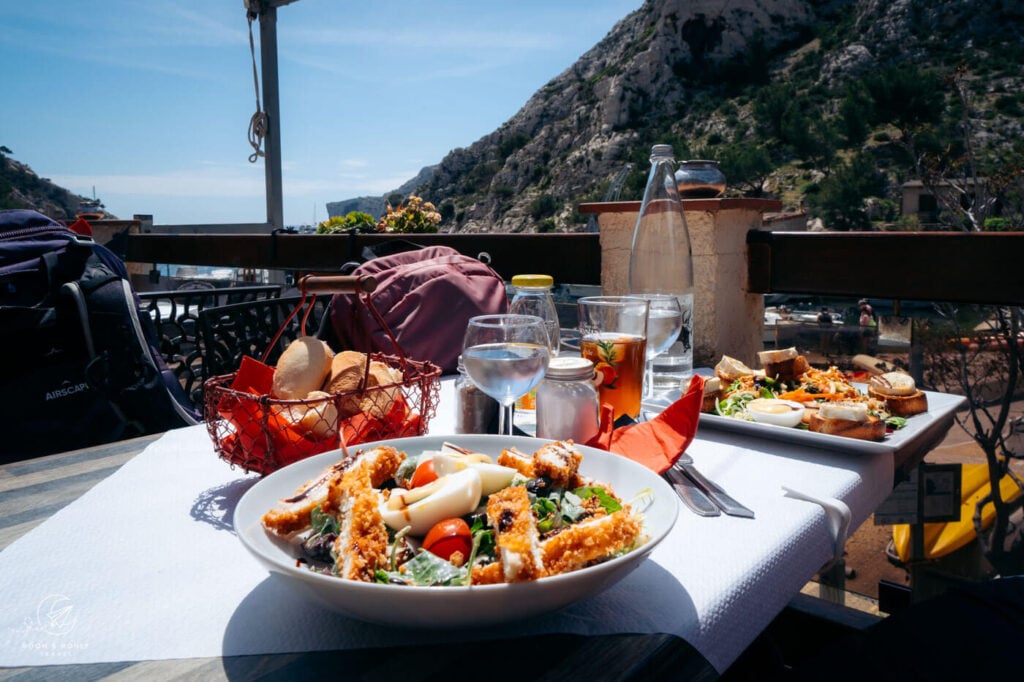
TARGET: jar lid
(570,368)
(533,281)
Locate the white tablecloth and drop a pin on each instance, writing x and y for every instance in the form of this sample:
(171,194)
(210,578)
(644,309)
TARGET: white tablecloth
(145,565)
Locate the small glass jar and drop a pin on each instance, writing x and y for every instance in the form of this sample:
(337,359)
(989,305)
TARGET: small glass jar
(700,179)
(476,412)
(567,401)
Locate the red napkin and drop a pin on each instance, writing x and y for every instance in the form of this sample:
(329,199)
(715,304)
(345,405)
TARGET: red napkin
(657,443)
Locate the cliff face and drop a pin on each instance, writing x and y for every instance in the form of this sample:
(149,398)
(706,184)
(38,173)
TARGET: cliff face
(689,72)
(20,187)
(577,132)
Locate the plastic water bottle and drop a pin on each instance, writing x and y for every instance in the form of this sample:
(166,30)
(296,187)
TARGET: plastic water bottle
(532,296)
(660,259)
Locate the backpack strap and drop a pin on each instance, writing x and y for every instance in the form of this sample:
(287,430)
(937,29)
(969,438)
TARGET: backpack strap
(122,367)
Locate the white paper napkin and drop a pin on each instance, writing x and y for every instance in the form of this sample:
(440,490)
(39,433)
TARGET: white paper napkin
(145,565)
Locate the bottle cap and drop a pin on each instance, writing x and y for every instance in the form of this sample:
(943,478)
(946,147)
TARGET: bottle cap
(533,281)
(570,368)
(661,150)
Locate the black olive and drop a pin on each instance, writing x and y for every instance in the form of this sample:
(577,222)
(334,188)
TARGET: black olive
(540,486)
(318,547)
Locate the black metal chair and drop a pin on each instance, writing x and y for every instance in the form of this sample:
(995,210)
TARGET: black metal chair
(232,331)
(176,317)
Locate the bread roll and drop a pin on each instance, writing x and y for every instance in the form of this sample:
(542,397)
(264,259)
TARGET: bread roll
(347,371)
(379,400)
(346,375)
(302,368)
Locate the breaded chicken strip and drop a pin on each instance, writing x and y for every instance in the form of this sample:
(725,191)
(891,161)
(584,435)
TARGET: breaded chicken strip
(362,544)
(490,574)
(558,461)
(520,461)
(515,534)
(292,514)
(595,539)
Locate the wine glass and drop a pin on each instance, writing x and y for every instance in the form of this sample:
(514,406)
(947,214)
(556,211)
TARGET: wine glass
(506,357)
(664,323)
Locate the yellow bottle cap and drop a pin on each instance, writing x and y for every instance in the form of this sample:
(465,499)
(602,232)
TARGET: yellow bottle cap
(533,281)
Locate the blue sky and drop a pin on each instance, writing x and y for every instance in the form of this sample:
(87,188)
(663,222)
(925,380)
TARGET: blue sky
(149,102)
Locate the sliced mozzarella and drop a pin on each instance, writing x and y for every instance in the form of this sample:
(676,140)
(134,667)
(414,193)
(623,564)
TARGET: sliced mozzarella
(458,495)
(777,412)
(894,383)
(854,412)
(493,477)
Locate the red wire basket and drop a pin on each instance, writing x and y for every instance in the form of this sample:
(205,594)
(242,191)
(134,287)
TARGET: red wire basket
(394,397)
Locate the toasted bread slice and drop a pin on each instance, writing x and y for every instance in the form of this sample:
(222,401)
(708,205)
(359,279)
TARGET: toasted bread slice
(872,428)
(902,405)
(899,393)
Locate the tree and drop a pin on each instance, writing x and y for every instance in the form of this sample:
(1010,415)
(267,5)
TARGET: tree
(746,165)
(839,200)
(986,365)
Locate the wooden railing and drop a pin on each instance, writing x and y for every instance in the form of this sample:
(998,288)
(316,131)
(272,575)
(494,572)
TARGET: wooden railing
(983,267)
(575,257)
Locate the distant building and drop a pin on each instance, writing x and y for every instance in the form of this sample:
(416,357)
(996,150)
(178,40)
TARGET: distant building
(927,202)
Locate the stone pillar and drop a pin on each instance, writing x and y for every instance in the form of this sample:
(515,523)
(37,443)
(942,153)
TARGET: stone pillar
(727,319)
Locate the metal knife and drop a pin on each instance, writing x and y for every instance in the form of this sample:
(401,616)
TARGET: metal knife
(691,495)
(726,503)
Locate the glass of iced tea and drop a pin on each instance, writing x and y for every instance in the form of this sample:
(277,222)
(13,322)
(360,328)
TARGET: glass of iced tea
(613,333)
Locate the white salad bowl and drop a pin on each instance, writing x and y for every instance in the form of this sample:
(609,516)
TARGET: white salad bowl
(451,607)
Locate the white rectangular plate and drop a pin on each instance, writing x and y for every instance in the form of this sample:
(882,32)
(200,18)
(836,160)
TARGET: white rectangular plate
(922,430)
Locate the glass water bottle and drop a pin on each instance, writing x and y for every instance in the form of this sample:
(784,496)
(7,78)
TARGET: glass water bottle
(660,259)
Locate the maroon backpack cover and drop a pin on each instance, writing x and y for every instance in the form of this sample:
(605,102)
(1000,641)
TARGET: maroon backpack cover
(426,297)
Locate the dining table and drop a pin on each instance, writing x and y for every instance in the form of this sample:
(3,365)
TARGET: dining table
(121,560)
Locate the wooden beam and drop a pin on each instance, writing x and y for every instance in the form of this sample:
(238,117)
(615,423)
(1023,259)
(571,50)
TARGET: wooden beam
(957,267)
(570,258)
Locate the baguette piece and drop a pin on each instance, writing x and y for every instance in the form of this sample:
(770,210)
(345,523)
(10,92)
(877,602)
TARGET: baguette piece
(899,393)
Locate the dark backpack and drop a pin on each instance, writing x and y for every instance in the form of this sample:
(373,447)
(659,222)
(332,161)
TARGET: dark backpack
(80,361)
(425,296)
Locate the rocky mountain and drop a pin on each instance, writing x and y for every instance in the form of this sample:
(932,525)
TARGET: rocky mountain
(375,206)
(20,187)
(705,75)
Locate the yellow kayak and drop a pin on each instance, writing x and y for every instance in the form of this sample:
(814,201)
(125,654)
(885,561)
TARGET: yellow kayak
(941,539)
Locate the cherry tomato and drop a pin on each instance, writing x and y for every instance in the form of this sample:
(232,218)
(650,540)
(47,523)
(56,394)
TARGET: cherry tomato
(423,475)
(447,537)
